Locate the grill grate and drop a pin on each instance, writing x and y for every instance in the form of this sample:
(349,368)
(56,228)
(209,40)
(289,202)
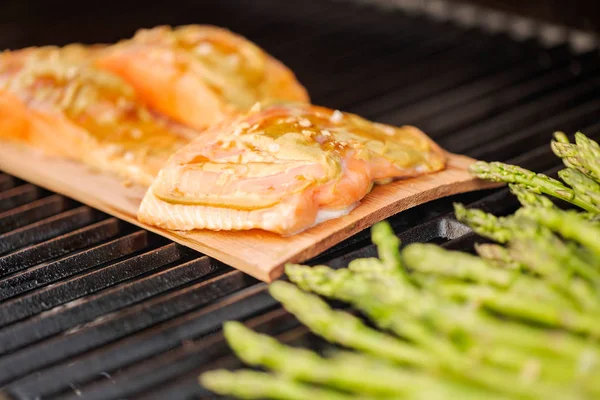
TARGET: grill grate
(93,307)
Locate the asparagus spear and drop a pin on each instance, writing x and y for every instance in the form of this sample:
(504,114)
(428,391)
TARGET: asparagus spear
(568,224)
(590,151)
(394,300)
(388,246)
(383,305)
(581,156)
(345,329)
(429,258)
(584,187)
(344,371)
(484,224)
(496,255)
(541,257)
(529,198)
(246,384)
(569,153)
(504,229)
(539,183)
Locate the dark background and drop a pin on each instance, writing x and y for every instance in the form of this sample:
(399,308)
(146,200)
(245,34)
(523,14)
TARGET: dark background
(579,14)
(38,22)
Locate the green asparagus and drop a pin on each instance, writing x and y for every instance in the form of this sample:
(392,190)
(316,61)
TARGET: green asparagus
(574,157)
(345,371)
(385,307)
(247,384)
(429,258)
(496,255)
(569,225)
(529,198)
(344,328)
(484,224)
(585,188)
(539,183)
(590,151)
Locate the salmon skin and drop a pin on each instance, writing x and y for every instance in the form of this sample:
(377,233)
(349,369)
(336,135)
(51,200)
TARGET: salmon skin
(198,75)
(283,168)
(55,100)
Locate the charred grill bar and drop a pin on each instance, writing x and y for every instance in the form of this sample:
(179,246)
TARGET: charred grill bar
(93,307)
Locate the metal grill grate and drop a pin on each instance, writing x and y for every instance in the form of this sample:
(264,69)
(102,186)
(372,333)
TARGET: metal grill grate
(93,307)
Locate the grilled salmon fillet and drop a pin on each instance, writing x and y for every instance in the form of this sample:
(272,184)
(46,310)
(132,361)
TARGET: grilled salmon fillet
(283,168)
(55,100)
(198,75)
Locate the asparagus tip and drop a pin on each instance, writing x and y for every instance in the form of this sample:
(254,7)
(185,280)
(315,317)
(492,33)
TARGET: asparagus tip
(560,137)
(216,380)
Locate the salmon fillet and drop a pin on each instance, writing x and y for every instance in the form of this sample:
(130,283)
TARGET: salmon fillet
(54,100)
(198,75)
(283,168)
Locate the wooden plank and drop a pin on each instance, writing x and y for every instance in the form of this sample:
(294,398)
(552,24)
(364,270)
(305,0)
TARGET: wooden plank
(258,253)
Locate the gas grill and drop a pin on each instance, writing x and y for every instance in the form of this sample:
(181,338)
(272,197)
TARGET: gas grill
(92,307)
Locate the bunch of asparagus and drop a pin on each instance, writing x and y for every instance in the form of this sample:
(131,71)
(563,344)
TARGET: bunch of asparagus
(519,320)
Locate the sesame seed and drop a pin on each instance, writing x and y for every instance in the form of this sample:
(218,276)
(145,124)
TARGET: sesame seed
(273,147)
(128,156)
(256,107)
(306,132)
(136,133)
(336,117)
(303,122)
(204,49)
(233,60)
(388,130)
(325,132)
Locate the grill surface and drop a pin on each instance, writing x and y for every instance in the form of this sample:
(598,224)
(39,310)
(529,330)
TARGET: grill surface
(94,307)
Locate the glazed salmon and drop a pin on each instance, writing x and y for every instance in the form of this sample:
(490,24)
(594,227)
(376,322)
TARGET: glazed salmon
(53,100)
(283,168)
(199,75)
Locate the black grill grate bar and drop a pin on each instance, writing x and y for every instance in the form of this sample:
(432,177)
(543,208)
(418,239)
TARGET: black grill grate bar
(420,68)
(340,29)
(87,284)
(355,46)
(148,345)
(19,195)
(429,108)
(45,229)
(44,274)
(470,117)
(434,49)
(460,115)
(59,246)
(277,323)
(529,113)
(569,120)
(192,356)
(76,313)
(109,327)
(6,182)
(313,20)
(465,80)
(32,212)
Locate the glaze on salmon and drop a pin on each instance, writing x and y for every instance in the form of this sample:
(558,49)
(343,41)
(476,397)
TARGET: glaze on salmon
(198,75)
(283,169)
(54,100)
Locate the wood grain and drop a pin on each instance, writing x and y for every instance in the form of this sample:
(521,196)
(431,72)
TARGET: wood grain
(258,253)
